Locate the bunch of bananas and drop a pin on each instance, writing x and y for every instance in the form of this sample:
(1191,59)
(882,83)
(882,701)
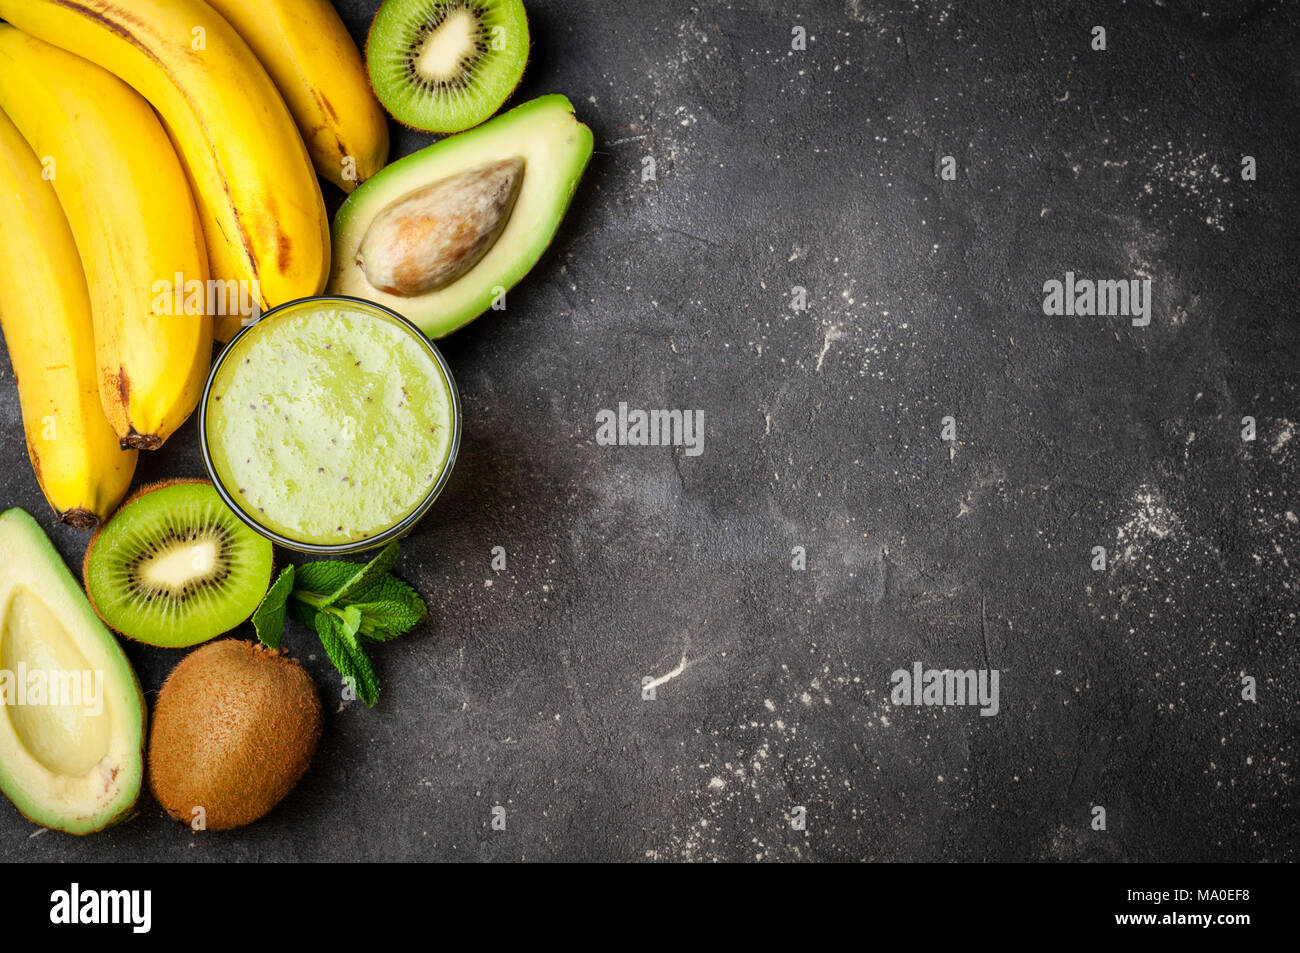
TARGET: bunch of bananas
(144,145)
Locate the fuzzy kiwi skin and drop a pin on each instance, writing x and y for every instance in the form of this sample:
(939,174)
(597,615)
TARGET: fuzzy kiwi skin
(234,728)
(85,559)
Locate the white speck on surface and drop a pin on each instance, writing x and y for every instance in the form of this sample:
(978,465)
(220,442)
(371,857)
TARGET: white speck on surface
(669,675)
(830,336)
(1151,519)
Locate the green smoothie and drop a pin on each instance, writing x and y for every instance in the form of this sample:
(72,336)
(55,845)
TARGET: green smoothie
(329,422)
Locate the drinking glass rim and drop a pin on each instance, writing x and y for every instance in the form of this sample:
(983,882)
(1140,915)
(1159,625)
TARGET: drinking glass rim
(395,531)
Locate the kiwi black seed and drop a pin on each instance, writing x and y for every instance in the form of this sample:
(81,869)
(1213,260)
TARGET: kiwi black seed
(446,65)
(175,567)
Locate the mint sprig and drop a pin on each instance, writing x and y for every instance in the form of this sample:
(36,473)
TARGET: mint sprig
(343,603)
(268,617)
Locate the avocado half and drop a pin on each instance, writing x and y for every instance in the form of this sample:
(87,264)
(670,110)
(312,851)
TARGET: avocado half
(76,766)
(554,147)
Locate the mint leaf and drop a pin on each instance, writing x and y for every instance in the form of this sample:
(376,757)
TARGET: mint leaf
(324,577)
(388,588)
(302,613)
(344,603)
(365,576)
(268,617)
(348,657)
(387,619)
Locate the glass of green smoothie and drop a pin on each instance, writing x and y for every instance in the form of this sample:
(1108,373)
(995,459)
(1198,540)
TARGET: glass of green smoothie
(330,425)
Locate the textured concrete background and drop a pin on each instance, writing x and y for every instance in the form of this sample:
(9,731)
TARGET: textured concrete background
(822,429)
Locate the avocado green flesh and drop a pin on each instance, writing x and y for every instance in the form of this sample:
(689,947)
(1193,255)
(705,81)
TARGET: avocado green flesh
(555,148)
(71,711)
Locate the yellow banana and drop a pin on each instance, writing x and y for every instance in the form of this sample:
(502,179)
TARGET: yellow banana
(309,53)
(257,195)
(45,312)
(130,210)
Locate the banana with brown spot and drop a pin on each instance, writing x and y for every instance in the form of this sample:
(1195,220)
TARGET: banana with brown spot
(257,194)
(122,189)
(45,312)
(307,50)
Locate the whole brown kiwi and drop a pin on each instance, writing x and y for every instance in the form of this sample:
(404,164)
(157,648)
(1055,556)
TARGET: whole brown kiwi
(234,728)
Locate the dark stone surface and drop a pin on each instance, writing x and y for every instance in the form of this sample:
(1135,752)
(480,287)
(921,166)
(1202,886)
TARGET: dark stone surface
(822,429)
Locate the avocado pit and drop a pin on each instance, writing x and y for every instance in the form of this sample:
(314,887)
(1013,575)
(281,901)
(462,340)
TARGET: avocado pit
(433,235)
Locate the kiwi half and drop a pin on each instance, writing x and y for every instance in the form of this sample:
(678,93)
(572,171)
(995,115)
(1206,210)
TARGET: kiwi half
(175,567)
(446,65)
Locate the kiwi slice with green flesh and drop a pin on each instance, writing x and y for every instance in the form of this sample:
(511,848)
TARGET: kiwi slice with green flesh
(174,566)
(446,65)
